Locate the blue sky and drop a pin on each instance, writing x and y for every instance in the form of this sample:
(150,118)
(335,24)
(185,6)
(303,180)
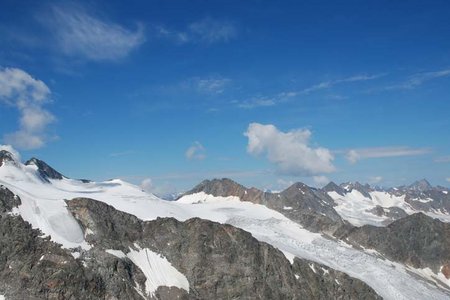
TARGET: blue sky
(264,92)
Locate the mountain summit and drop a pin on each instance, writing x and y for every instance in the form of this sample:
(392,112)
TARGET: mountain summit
(44,169)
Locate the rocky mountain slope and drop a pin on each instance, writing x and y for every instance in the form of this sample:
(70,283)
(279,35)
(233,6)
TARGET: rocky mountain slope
(220,240)
(219,261)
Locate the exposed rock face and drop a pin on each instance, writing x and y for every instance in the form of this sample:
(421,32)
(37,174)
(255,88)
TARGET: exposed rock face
(219,261)
(310,207)
(333,187)
(7,200)
(44,169)
(5,156)
(420,185)
(363,189)
(338,285)
(32,267)
(393,213)
(416,240)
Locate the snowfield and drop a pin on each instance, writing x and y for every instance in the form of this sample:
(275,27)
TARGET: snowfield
(43,206)
(354,207)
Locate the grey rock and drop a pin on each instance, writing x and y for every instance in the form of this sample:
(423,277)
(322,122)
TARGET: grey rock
(8,200)
(416,240)
(326,283)
(220,261)
(6,156)
(392,213)
(45,171)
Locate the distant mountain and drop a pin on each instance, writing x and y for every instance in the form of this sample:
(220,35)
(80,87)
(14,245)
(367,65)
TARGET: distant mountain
(300,203)
(362,204)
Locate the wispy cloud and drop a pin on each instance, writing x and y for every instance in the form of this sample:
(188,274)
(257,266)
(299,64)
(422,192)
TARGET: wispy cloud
(211,85)
(29,95)
(257,102)
(375,179)
(283,97)
(81,34)
(355,155)
(289,151)
(416,80)
(321,180)
(122,153)
(196,152)
(331,83)
(207,31)
(442,159)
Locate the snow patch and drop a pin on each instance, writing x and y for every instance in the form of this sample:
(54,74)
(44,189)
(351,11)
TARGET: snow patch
(289,256)
(116,253)
(157,269)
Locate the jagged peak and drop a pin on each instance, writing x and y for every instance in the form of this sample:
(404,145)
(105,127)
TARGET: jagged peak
(9,154)
(297,186)
(46,171)
(333,187)
(421,185)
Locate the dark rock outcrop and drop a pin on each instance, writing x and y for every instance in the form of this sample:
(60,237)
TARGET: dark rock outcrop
(338,285)
(416,240)
(8,200)
(6,156)
(392,213)
(45,171)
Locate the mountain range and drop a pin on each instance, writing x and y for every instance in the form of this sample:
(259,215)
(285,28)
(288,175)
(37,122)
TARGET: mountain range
(66,238)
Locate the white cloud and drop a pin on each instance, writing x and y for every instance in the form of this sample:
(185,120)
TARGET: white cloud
(289,151)
(212,85)
(287,96)
(195,152)
(321,180)
(375,179)
(354,155)
(11,150)
(147,185)
(329,84)
(442,159)
(257,102)
(417,80)
(211,31)
(28,95)
(207,31)
(79,33)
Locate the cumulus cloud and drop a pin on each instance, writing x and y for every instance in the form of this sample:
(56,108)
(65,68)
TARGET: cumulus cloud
(289,151)
(196,152)
(207,31)
(19,89)
(354,155)
(147,185)
(375,179)
(79,33)
(321,180)
(11,150)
